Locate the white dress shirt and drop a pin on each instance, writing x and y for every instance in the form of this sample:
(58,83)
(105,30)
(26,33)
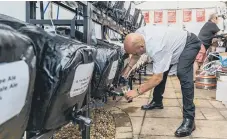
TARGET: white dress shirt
(164,45)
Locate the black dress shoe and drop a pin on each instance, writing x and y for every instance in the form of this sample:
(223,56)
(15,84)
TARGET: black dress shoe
(186,128)
(152,105)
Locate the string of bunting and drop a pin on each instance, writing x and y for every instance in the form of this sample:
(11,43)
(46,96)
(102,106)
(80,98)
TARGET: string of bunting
(172,15)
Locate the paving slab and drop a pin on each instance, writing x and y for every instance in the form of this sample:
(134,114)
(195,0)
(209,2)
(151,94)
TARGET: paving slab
(171,102)
(169,94)
(223,113)
(136,137)
(167,112)
(136,124)
(210,129)
(217,104)
(178,94)
(208,138)
(137,102)
(170,90)
(199,115)
(199,93)
(123,129)
(205,94)
(121,120)
(212,114)
(169,85)
(160,126)
(134,111)
(123,135)
(177,86)
(162,137)
(199,103)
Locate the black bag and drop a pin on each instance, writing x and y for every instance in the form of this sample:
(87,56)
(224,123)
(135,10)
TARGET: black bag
(137,18)
(57,93)
(106,65)
(104,4)
(17,76)
(121,10)
(64,70)
(121,66)
(12,22)
(130,16)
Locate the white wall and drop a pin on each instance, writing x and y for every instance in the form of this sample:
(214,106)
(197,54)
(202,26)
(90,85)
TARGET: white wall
(15,9)
(193,26)
(149,5)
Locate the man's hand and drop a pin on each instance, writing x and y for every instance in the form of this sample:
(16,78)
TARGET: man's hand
(152,82)
(130,95)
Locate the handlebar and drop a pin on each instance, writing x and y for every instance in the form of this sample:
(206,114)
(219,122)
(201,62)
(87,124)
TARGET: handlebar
(220,36)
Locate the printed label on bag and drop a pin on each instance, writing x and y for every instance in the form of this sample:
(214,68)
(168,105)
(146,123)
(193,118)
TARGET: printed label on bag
(113,70)
(82,79)
(14,82)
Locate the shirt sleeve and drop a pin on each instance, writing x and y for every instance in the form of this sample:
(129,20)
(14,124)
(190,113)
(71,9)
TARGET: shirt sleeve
(162,61)
(214,28)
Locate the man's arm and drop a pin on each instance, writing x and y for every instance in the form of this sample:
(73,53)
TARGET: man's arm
(151,83)
(161,64)
(133,60)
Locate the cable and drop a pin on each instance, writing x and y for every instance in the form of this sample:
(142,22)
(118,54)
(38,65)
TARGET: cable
(58,12)
(52,23)
(46,7)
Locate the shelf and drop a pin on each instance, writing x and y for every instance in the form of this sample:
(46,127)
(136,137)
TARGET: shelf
(55,22)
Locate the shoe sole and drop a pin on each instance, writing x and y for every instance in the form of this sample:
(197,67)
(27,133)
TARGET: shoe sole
(185,135)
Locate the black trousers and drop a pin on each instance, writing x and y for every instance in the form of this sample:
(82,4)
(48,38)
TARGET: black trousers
(185,75)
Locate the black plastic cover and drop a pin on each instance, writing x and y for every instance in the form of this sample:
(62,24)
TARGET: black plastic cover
(12,22)
(16,47)
(121,9)
(106,65)
(137,18)
(121,64)
(58,58)
(104,4)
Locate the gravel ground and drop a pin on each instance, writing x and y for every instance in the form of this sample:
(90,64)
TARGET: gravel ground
(103,127)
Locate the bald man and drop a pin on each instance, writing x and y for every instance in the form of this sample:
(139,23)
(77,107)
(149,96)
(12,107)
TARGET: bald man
(166,46)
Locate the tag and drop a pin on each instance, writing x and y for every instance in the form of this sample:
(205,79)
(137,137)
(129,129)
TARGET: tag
(82,79)
(113,70)
(14,82)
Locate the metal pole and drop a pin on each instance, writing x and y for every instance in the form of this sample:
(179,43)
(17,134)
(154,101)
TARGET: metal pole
(140,79)
(145,70)
(130,82)
(28,11)
(87,39)
(72,26)
(87,23)
(41,11)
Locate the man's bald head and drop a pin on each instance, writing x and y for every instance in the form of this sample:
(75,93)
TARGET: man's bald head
(134,43)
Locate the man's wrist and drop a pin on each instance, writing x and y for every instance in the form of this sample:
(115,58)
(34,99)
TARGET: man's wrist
(138,91)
